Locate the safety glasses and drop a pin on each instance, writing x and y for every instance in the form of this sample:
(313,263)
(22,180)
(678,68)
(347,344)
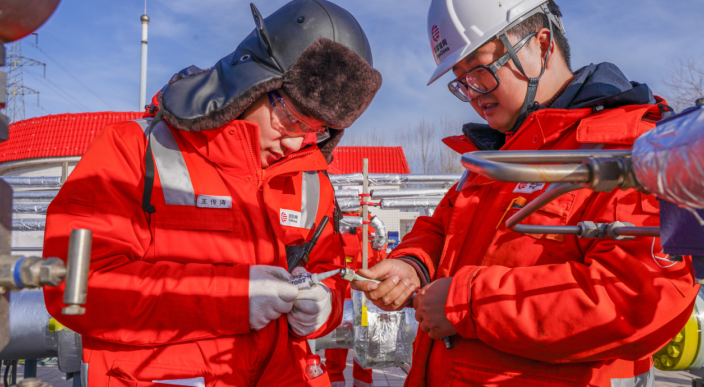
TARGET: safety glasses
(291,122)
(482,79)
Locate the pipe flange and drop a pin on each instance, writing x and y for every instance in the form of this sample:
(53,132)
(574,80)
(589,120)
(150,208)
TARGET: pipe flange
(590,230)
(608,173)
(612,228)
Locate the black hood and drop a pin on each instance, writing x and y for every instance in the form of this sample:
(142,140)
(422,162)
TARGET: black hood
(594,85)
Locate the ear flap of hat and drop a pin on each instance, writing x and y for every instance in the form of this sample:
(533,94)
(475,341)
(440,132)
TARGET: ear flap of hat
(332,83)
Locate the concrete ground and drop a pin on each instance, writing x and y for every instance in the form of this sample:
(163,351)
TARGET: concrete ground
(388,377)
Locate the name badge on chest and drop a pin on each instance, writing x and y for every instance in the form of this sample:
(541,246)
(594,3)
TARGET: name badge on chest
(209,201)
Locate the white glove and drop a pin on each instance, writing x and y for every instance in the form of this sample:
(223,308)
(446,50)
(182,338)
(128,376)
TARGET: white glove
(270,294)
(311,308)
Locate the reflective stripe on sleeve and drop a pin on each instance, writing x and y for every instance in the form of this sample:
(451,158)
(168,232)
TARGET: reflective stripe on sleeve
(646,379)
(173,173)
(310,197)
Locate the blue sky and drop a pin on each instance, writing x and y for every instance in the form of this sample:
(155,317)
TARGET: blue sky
(92,49)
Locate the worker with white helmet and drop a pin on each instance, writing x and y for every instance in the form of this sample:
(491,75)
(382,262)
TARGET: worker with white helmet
(533,309)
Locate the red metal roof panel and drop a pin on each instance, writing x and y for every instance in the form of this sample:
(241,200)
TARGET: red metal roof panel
(348,159)
(57,135)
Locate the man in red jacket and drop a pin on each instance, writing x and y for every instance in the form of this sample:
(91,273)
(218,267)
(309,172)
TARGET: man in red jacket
(192,208)
(533,310)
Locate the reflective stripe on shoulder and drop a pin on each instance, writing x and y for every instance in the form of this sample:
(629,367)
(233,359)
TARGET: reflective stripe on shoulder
(646,379)
(173,172)
(310,198)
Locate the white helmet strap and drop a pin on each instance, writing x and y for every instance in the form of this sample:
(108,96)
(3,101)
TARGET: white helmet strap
(532,82)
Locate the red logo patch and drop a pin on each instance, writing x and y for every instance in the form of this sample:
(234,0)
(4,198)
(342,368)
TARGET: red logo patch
(436,33)
(283,217)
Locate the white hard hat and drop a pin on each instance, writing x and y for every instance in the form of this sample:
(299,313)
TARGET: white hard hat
(458,27)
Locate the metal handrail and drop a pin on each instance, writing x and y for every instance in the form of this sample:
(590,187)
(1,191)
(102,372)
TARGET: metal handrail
(10,165)
(33,182)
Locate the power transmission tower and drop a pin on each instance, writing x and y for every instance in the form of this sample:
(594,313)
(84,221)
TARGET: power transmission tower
(16,90)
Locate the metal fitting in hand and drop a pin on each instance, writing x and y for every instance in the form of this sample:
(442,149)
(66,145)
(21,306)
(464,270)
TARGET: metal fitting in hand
(612,231)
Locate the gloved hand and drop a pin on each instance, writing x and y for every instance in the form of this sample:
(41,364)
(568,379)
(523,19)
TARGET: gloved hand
(270,294)
(311,308)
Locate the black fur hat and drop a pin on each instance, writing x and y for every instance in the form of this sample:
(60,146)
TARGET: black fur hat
(312,49)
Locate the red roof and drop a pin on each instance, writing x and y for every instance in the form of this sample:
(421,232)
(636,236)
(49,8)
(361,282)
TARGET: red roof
(70,134)
(57,135)
(382,159)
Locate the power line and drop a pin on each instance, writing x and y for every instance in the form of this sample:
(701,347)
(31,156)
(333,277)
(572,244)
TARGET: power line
(15,88)
(74,77)
(59,90)
(90,68)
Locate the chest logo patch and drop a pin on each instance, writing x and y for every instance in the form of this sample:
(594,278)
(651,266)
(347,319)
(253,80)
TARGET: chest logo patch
(528,188)
(209,201)
(290,218)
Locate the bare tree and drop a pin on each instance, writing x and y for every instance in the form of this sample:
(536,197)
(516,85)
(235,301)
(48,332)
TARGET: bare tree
(374,138)
(422,144)
(448,159)
(419,146)
(685,82)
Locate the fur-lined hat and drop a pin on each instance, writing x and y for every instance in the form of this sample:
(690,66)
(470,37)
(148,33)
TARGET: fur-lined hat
(312,49)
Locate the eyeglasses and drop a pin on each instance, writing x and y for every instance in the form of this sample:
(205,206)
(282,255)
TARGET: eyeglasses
(290,121)
(482,79)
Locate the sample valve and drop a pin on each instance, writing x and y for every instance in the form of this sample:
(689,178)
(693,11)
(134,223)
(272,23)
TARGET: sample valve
(20,272)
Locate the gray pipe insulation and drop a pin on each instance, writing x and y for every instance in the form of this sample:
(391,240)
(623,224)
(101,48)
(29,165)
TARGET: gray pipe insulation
(381,237)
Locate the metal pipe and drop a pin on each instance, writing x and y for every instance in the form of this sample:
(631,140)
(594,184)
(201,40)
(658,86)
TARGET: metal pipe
(405,204)
(29,336)
(405,193)
(521,173)
(28,224)
(349,204)
(36,209)
(365,214)
(351,221)
(41,182)
(347,194)
(541,229)
(35,195)
(143,68)
(548,156)
(376,179)
(553,192)
(380,235)
(638,231)
(78,264)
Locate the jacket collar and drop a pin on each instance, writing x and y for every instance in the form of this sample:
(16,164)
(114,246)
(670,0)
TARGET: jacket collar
(235,147)
(594,85)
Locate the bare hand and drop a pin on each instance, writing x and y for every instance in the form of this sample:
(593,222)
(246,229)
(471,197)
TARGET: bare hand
(430,309)
(399,282)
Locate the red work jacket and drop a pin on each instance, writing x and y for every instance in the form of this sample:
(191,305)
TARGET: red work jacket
(549,310)
(168,292)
